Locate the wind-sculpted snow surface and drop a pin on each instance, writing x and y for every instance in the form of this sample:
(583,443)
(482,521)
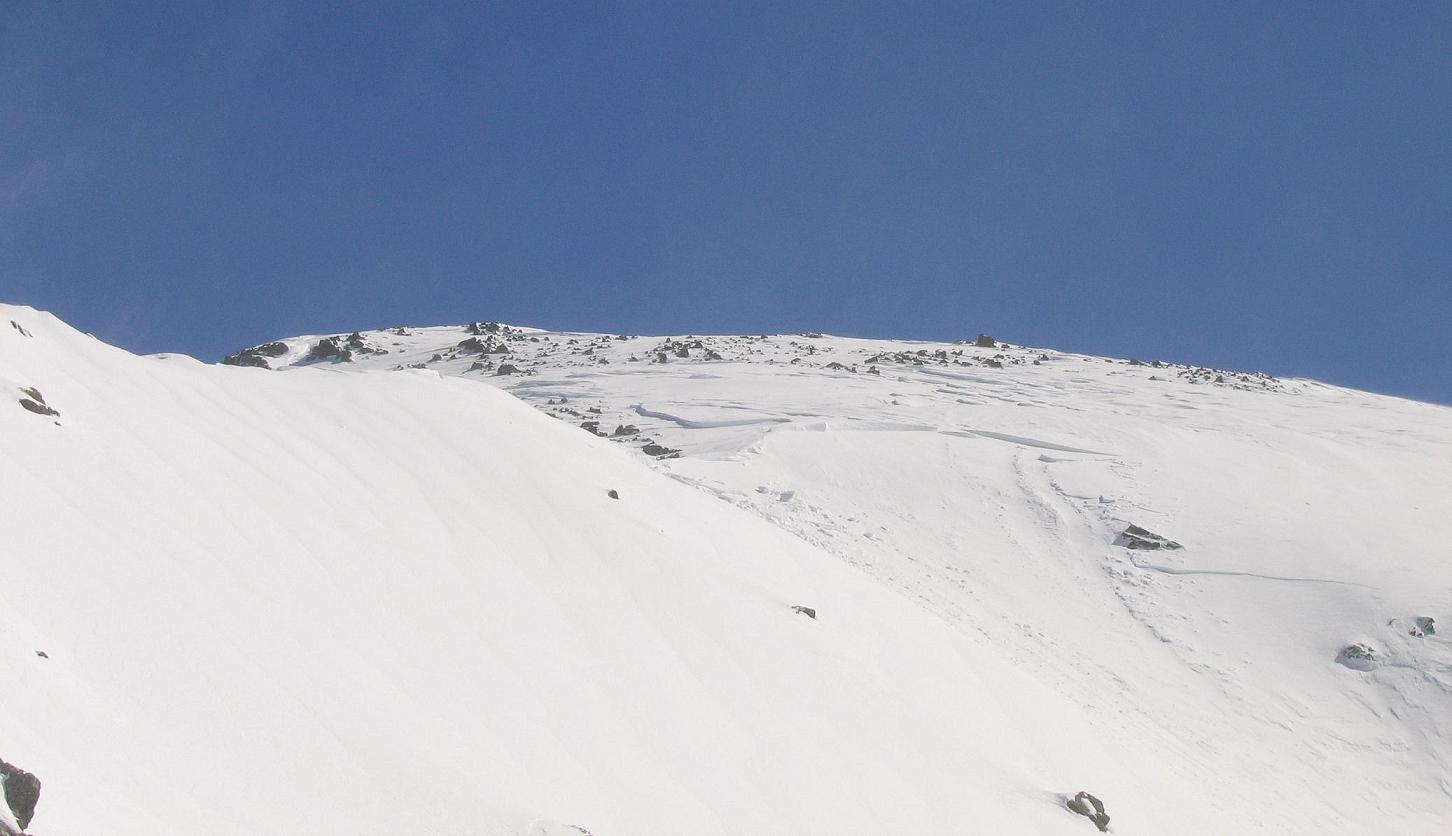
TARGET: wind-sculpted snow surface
(234,601)
(399,601)
(988,484)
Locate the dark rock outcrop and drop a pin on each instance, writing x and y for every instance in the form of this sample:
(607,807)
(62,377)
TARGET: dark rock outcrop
(330,348)
(1090,807)
(35,402)
(256,356)
(245,359)
(660,451)
(809,612)
(985,341)
(507,368)
(1142,539)
(613,494)
(22,793)
(1424,626)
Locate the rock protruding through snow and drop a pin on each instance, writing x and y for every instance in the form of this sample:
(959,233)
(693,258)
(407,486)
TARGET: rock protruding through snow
(1358,656)
(1087,805)
(35,402)
(22,792)
(256,356)
(1143,539)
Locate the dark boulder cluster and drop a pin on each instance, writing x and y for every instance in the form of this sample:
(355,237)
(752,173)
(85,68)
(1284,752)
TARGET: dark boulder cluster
(22,793)
(488,345)
(1248,381)
(480,329)
(944,357)
(341,349)
(256,356)
(681,349)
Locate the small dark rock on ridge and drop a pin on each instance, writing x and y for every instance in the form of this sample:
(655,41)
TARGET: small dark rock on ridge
(22,793)
(613,494)
(809,612)
(1087,805)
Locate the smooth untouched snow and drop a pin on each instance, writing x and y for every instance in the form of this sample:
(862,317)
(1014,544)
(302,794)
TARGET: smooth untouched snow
(344,599)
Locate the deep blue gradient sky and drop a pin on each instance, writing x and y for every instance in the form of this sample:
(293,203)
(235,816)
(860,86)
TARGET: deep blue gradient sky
(1264,186)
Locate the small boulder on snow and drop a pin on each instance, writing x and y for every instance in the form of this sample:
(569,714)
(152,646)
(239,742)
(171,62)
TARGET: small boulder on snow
(1423,626)
(809,612)
(1358,656)
(1138,538)
(1087,805)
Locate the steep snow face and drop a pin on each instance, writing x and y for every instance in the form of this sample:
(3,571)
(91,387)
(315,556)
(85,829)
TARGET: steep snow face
(989,485)
(327,603)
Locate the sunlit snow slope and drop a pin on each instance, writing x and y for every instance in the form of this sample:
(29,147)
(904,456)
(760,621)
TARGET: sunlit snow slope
(988,484)
(319,602)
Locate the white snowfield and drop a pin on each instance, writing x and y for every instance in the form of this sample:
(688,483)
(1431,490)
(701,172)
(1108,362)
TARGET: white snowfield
(359,597)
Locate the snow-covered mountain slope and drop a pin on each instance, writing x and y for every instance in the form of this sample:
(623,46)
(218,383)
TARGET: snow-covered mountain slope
(989,484)
(235,601)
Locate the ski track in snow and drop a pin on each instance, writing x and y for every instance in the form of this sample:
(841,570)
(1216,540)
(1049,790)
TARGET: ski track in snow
(1171,570)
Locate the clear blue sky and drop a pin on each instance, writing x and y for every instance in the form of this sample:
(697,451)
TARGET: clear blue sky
(1264,186)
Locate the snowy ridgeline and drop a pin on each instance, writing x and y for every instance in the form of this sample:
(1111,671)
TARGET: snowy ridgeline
(327,602)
